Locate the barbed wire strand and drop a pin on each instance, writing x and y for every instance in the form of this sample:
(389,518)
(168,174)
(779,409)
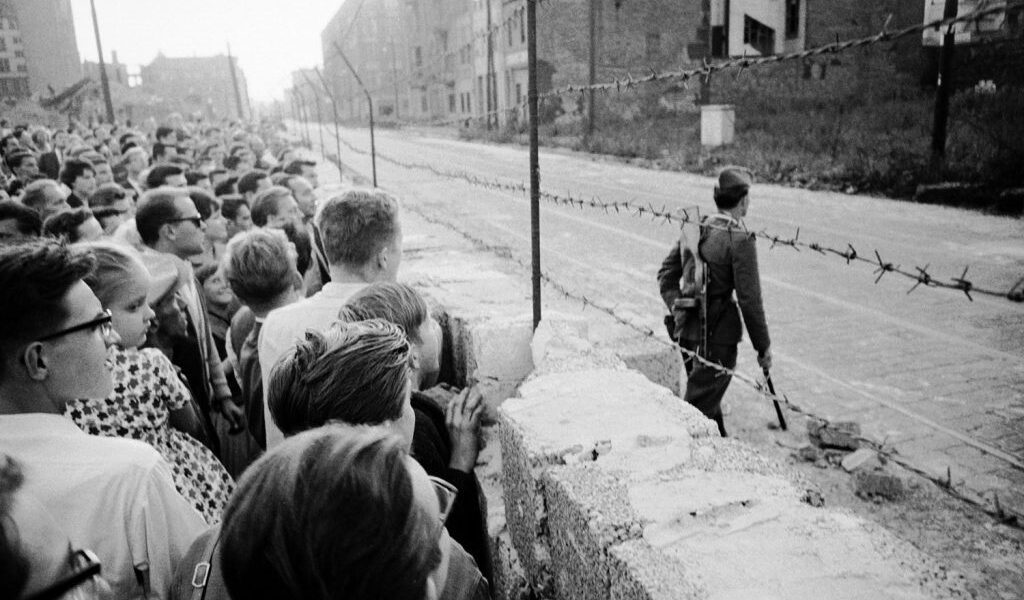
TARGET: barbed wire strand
(985,9)
(920,276)
(996,511)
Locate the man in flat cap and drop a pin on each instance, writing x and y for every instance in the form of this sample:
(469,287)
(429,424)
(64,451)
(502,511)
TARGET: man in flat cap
(697,280)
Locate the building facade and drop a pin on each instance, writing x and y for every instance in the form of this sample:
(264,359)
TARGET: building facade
(51,50)
(197,84)
(13,70)
(467,58)
(117,72)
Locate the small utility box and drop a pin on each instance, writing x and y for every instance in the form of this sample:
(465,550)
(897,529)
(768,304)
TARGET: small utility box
(717,124)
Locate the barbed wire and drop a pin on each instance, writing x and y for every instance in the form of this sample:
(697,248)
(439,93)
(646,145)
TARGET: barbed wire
(1001,514)
(986,8)
(920,276)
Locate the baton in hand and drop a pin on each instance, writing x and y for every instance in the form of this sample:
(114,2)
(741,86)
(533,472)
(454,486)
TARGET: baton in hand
(778,409)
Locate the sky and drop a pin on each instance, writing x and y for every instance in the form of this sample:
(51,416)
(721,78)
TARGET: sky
(271,38)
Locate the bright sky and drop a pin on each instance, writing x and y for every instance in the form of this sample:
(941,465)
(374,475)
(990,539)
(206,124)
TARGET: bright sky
(271,38)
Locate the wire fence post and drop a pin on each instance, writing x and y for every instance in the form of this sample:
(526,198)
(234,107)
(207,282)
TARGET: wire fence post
(369,100)
(319,112)
(334,114)
(531,50)
(944,83)
(304,115)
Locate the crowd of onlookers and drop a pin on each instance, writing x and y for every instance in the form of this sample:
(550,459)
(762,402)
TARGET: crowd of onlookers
(211,383)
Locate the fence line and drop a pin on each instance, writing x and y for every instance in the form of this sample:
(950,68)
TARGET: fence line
(920,276)
(986,8)
(1001,514)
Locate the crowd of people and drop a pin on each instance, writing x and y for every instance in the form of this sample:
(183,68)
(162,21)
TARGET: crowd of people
(212,384)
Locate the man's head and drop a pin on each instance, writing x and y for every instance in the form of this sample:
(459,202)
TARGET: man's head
(55,331)
(356,373)
(9,143)
(274,208)
(368,519)
(236,213)
(732,191)
(402,305)
(104,172)
(166,135)
(45,197)
(303,193)
(79,176)
(304,168)
(361,234)
(168,221)
(23,164)
(18,223)
(164,152)
(166,175)
(136,160)
(111,206)
(260,267)
(74,225)
(252,183)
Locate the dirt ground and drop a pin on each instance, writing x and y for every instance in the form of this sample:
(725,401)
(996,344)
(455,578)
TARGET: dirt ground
(988,556)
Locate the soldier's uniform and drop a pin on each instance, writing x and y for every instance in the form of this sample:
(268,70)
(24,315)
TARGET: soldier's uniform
(730,254)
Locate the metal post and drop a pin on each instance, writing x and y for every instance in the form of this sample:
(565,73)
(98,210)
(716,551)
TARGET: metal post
(234,81)
(593,67)
(944,82)
(104,81)
(488,105)
(305,119)
(334,111)
(531,51)
(319,113)
(369,100)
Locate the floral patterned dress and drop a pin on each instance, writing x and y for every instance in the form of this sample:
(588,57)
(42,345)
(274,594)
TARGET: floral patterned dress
(146,389)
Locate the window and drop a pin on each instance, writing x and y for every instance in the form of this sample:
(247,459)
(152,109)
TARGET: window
(758,35)
(522,27)
(792,19)
(3,44)
(519,93)
(451,103)
(653,45)
(418,56)
(423,102)
(5,65)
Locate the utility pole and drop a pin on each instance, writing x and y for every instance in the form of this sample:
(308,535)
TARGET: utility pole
(593,67)
(234,80)
(394,73)
(531,53)
(104,81)
(491,96)
(945,81)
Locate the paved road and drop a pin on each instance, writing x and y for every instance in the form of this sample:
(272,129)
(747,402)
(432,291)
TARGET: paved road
(938,376)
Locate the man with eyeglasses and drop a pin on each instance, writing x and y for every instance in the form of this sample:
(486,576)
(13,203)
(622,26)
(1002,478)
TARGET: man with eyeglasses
(112,495)
(169,222)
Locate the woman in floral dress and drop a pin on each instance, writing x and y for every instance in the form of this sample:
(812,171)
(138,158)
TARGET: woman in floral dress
(150,402)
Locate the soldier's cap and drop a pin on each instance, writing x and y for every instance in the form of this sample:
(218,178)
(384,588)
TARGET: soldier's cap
(733,180)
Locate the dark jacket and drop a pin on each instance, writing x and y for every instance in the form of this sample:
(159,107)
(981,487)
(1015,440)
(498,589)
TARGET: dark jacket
(49,164)
(731,257)
(432,448)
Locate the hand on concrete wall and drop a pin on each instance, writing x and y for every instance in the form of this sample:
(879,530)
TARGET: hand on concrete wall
(463,420)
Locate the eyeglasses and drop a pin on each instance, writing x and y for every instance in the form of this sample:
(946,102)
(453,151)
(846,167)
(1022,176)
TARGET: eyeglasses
(103,322)
(86,571)
(446,494)
(196,220)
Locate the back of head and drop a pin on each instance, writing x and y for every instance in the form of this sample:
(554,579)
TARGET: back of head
(34,278)
(733,185)
(158,175)
(226,187)
(35,194)
(295,167)
(116,266)
(357,225)
(156,208)
(26,219)
(356,373)
(396,303)
(107,194)
(267,203)
(250,182)
(64,225)
(258,266)
(327,514)
(205,203)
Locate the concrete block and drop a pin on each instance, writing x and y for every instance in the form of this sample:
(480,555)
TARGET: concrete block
(863,458)
(524,504)
(841,434)
(509,580)
(636,571)
(561,345)
(658,362)
(588,511)
(879,484)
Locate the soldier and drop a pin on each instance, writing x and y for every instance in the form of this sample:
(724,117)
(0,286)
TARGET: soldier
(704,318)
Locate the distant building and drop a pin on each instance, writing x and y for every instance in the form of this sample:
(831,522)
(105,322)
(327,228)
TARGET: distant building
(197,84)
(116,71)
(13,70)
(430,58)
(47,31)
